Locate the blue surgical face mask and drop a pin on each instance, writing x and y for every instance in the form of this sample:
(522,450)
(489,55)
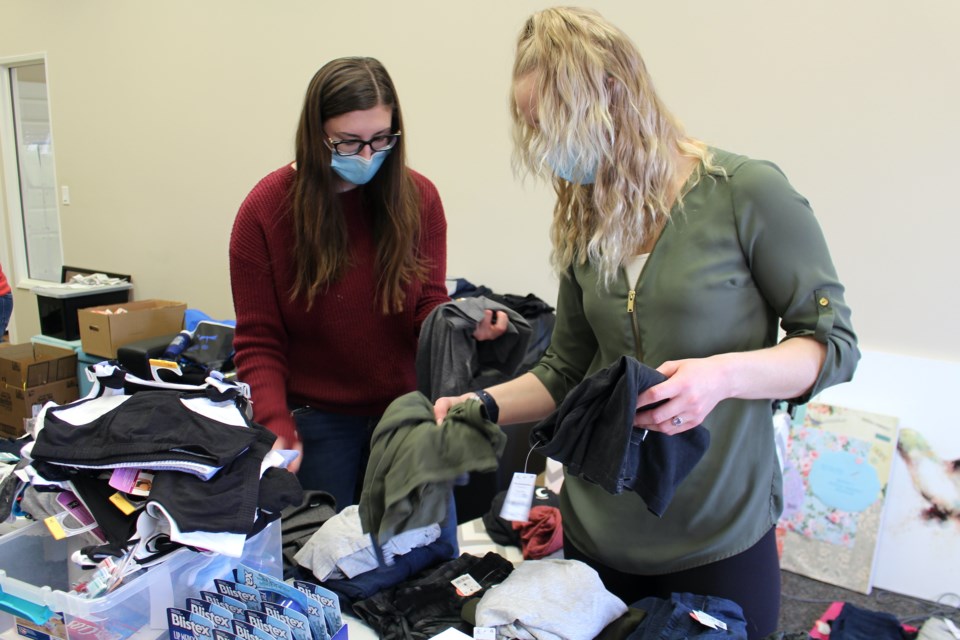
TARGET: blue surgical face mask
(357,169)
(570,172)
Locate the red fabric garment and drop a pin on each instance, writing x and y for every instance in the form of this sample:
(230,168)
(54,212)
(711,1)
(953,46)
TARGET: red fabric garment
(542,534)
(343,355)
(4,285)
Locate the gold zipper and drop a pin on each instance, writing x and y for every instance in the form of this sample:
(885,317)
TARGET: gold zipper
(631,297)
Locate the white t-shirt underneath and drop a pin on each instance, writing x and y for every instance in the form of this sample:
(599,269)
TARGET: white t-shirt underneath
(634,266)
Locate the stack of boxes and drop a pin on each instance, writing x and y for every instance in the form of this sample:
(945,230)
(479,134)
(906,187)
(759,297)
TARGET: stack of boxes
(30,376)
(95,321)
(79,327)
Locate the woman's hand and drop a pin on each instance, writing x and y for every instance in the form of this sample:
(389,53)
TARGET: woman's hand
(692,389)
(296,445)
(443,405)
(490,328)
(695,386)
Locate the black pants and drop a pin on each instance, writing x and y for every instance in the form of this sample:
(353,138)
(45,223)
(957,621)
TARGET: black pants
(751,579)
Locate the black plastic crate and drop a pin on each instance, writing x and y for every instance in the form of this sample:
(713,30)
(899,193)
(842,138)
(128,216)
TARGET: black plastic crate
(58,313)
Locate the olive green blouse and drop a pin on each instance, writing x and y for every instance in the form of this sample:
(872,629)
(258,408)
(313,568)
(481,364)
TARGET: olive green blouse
(742,254)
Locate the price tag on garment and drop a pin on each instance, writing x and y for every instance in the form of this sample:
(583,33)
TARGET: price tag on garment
(708,620)
(56,529)
(132,480)
(466,585)
(484,633)
(519,498)
(122,503)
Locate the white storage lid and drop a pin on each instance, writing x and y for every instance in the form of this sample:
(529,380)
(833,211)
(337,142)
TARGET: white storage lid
(70,290)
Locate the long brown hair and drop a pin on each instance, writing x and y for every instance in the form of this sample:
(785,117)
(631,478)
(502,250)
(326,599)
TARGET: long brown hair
(321,246)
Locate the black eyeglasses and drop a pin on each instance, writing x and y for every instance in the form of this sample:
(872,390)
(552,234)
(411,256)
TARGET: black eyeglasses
(353,147)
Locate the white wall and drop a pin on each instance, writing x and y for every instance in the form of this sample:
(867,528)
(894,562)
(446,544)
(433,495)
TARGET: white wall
(165,115)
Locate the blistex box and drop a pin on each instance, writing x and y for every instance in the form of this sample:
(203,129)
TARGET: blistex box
(218,615)
(185,625)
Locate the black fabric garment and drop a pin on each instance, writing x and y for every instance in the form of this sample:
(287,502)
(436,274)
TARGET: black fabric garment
(501,531)
(10,486)
(465,289)
(227,502)
(279,489)
(592,434)
(95,493)
(149,426)
(298,523)
(13,446)
(423,607)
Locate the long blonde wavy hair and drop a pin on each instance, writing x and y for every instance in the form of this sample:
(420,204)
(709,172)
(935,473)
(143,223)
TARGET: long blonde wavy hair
(596,105)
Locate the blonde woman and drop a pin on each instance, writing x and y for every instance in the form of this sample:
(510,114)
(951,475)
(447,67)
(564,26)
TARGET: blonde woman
(687,258)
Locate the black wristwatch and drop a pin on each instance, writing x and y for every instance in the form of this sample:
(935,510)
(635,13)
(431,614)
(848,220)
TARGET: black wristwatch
(490,408)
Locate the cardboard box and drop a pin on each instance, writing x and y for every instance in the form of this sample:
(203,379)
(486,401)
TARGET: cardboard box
(17,404)
(102,334)
(32,365)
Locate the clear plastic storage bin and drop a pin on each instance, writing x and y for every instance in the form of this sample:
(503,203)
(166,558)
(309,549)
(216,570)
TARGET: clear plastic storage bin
(36,576)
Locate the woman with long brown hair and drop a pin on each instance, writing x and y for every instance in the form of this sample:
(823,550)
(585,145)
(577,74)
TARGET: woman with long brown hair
(335,261)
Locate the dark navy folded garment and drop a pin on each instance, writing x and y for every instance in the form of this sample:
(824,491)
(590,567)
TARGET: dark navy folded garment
(592,434)
(670,619)
(404,567)
(854,623)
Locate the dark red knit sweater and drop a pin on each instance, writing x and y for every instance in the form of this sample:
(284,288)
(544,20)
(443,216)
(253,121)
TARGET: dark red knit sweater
(343,355)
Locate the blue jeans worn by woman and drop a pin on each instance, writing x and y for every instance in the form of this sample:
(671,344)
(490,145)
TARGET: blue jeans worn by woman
(335,452)
(6,309)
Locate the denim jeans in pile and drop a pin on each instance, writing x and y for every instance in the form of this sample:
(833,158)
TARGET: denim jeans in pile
(669,619)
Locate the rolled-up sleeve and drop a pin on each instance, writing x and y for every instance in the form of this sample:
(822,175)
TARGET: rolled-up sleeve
(791,265)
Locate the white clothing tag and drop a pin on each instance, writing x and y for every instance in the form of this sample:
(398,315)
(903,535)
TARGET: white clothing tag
(450,634)
(708,620)
(466,585)
(519,498)
(484,633)
(781,434)
(952,628)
